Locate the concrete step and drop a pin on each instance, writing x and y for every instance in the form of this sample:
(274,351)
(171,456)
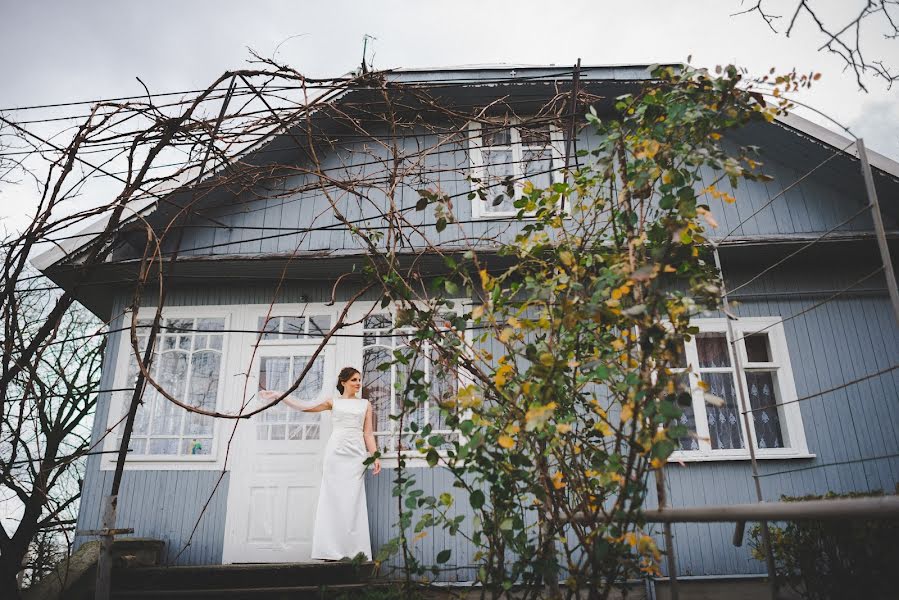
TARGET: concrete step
(243,576)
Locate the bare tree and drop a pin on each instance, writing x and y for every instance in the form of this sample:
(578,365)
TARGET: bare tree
(848,39)
(45,423)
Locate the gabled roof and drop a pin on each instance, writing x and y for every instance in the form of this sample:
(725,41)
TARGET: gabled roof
(455,77)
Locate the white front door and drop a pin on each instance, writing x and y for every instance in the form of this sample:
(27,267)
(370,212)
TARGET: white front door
(277,456)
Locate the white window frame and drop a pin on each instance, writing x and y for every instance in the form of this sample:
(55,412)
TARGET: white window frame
(240,323)
(790,414)
(121,380)
(412,457)
(483,209)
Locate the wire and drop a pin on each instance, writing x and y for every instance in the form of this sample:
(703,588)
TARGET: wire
(833,464)
(803,248)
(814,306)
(838,152)
(827,391)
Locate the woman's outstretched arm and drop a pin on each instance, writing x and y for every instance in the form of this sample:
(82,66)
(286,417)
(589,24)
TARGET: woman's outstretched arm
(269,395)
(368,434)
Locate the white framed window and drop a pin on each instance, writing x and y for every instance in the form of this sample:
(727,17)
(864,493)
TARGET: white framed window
(188,361)
(384,389)
(506,150)
(714,419)
(291,328)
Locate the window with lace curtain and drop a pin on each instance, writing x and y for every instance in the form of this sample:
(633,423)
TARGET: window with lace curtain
(714,419)
(385,388)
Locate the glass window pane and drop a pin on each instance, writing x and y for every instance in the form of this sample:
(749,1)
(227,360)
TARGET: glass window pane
(313,383)
(178,325)
(496,134)
(269,327)
(215,342)
(763,395)
(204,380)
(688,416)
(378,321)
(319,325)
(535,135)
(293,327)
(712,349)
(196,446)
(211,324)
(274,373)
(724,420)
(163,446)
(758,349)
(537,167)
(376,386)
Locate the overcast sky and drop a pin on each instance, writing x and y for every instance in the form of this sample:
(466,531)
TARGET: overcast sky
(57,51)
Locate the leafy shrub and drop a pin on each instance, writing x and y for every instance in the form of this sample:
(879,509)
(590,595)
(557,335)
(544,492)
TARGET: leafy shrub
(835,559)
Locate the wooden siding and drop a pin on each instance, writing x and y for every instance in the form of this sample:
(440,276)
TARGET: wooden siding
(829,345)
(290,213)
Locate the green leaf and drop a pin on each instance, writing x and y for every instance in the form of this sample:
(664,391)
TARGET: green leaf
(476,499)
(440,225)
(443,556)
(432,457)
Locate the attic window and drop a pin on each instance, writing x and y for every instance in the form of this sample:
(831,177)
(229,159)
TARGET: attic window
(506,153)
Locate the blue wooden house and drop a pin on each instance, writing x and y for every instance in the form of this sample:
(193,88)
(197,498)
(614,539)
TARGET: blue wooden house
(265,256)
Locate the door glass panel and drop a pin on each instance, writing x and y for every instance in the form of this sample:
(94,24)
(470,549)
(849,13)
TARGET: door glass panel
(283,422)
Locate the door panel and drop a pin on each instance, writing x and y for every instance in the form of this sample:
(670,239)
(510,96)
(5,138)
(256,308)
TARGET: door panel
(277,469)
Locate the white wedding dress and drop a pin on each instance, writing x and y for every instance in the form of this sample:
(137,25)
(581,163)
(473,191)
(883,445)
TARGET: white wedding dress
(341,519)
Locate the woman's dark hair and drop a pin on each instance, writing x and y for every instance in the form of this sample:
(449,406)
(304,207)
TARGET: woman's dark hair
(345,374)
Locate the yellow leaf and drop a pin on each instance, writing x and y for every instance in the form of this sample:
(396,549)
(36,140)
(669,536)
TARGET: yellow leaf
(563,428)
(419,536)
(528,187)
(477,312)
(547,359)
(670,269)
(558,480)
(486,279)
(603,428)
(627,411)
(502,375)
(566,257)
(715,136)
(506,334)
(506,442)
(667,177)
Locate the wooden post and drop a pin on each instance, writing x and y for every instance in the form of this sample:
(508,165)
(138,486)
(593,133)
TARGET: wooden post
(669,538)
(747,426)
(888,272)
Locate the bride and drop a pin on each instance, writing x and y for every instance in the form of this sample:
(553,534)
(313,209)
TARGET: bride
(341,519)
